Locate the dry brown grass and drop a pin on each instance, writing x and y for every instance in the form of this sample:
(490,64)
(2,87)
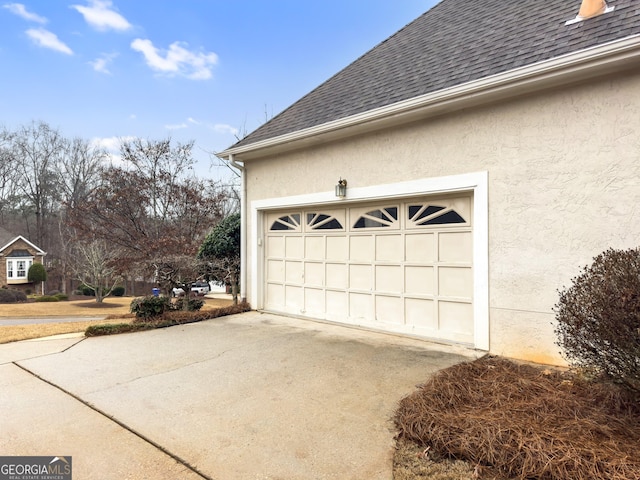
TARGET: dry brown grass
(113,310)
(519,421)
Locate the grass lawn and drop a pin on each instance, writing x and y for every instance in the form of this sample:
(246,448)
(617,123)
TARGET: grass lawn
(111,310)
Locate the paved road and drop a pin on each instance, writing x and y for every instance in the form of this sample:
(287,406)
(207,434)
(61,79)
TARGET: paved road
(36,320)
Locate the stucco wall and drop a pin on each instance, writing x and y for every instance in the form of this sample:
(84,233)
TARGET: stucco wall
(564,185)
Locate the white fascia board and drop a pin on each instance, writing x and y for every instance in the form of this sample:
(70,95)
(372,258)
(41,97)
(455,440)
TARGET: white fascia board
(563,69)
(20,237)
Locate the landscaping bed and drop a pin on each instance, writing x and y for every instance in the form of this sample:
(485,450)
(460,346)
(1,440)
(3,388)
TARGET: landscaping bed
(517,421)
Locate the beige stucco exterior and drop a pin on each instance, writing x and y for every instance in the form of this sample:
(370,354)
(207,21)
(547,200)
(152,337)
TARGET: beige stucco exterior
(563,185)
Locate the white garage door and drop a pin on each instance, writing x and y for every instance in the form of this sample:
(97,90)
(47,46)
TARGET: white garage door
(397,266)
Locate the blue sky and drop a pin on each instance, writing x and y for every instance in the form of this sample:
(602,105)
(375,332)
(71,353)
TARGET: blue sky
(188,69)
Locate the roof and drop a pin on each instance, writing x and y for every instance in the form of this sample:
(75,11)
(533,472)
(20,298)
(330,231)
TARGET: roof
(7,239)
(455,42)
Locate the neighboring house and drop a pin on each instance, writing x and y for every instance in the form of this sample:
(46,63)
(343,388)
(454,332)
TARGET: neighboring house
(491,149)
(17,254)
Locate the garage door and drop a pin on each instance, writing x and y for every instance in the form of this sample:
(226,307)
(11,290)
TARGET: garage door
(397,266)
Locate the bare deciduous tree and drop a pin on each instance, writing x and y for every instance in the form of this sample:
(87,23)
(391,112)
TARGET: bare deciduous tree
(96,267)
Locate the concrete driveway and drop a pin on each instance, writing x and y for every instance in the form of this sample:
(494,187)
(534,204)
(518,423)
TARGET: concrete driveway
(250,396)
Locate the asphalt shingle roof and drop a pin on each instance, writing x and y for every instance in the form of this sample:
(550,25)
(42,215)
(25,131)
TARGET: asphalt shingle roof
(455,42)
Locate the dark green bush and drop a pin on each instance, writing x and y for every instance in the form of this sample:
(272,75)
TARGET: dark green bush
(598,318)
(62,296)
(37,273)
(12,296)
(47,298)
(150,306)
(193,304)
(86,291)
(118,291)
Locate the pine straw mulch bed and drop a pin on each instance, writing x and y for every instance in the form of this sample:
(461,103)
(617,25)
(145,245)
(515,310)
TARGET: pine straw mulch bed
(516,421)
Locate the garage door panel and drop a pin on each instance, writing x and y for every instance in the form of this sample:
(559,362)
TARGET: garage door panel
(337,248)
(314,301)
(389,310)
(389,248)
(293,272)
(419,280)
(421,313)
(360,307)
(455,282)
(275,271)
(314,248)
(294,247)
(456,320)
(337,304)
(275,296)
(361,277)
(275,247)
(420,248)
(361,248)
(294,298)
(314,274)
(455,247)
(337,275)
(389,279)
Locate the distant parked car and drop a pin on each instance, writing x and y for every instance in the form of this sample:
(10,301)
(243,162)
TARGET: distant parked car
(200,288)
(177,292)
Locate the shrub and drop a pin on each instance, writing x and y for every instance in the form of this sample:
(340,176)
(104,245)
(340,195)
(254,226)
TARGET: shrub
(62,296)
(150,306)
(12,296)
(37,273)
(47,298)
(193,304)
(118,291)
(598,318)
(86,290)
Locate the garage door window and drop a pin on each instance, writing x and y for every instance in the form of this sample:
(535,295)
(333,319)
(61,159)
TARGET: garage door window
(425,215)
(380,218)
(321,221)
(287,223)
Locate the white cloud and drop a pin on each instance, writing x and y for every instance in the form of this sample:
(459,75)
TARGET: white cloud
(193,120)
(177,60)
(101,63)
(20,10)
(45,38)
(176,127)
(100,16)
(225,129)
(112,147)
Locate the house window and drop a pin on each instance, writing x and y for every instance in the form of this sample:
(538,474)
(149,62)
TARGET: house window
(18,269)
(21,270)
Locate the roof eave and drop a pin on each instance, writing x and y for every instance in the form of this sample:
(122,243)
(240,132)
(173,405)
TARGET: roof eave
(20,237)
(617,55)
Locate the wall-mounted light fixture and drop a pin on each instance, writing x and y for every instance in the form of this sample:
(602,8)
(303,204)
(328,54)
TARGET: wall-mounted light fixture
(341,188)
